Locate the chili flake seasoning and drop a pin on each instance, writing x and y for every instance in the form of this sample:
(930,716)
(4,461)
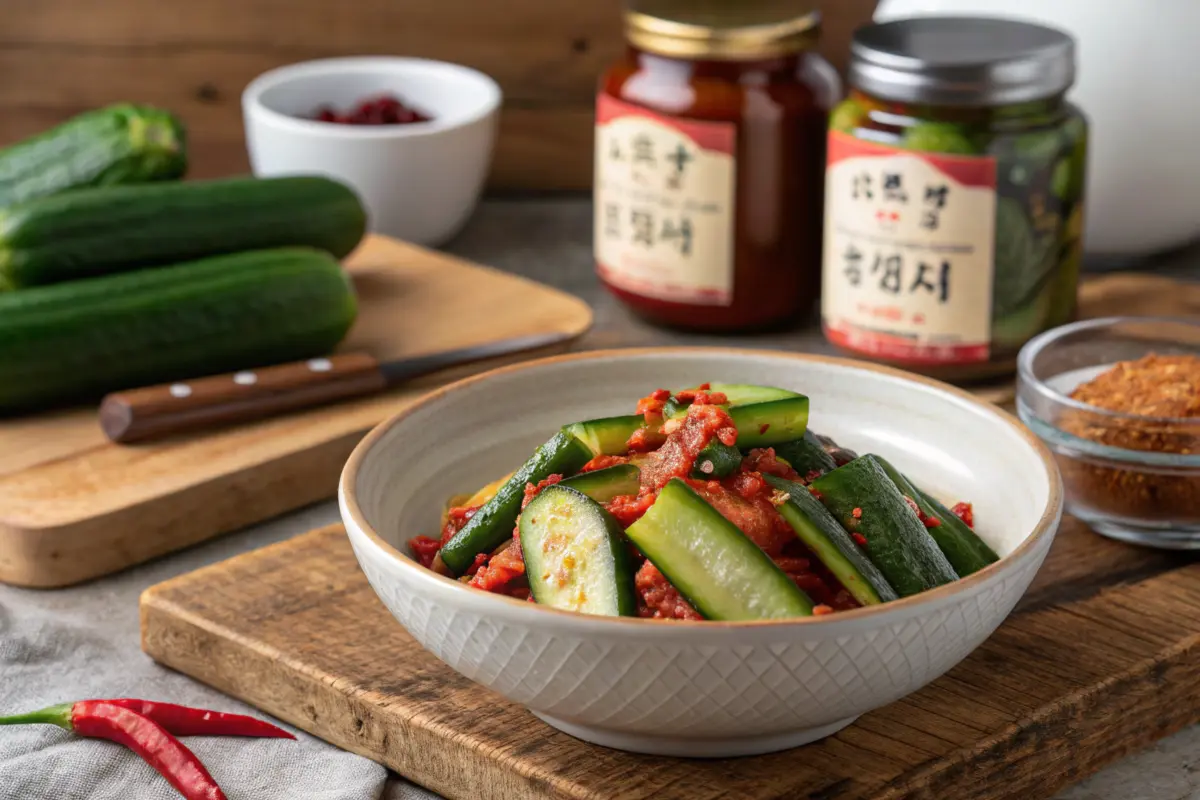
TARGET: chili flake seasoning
(1157,400)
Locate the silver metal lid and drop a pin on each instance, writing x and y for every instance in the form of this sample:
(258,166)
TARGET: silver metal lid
(961,61)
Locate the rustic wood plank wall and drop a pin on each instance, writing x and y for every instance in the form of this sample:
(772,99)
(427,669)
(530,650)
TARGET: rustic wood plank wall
(60,57)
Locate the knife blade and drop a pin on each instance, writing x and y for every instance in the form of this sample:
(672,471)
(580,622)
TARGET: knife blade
(153,412)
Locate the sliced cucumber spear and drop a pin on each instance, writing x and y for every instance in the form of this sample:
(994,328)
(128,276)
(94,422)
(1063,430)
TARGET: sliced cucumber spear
(575,555)
(494,521)
(862,497)
(738,394)
(716,460)
(603,485)
(833,547)
(771,423)
(721,572)
(806,455)
(759,424)
(608,435)
(961,546)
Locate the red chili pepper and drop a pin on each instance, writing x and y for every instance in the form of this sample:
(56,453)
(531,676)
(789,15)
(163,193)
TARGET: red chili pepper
(146,728)
(96,719)
(186,721)
(966,513)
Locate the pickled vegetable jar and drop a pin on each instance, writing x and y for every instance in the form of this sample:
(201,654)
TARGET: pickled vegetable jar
(954,195)
(710,159)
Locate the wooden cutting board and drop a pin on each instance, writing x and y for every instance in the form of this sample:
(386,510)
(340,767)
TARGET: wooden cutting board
(74,506)
(1100,659)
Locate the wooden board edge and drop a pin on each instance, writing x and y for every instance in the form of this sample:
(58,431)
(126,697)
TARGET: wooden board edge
(1116,712)
(1020,762)
(227,662)
(50,558)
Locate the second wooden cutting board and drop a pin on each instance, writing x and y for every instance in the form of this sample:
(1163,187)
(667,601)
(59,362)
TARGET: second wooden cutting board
(74,506)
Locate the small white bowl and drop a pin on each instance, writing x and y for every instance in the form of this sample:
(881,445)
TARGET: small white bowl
(420,181)
(703,689)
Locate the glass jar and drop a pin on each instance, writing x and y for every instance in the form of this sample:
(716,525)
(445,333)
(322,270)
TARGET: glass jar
(954,195)
(710,153)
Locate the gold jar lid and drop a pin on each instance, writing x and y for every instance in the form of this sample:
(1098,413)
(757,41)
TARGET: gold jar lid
(726,30)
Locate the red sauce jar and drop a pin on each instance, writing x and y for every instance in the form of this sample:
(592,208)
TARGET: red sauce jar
(710,154)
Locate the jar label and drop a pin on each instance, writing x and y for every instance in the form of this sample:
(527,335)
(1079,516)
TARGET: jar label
(664,204)
(908,253)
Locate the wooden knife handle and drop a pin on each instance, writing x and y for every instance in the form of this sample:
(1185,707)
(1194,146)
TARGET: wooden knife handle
(155,411)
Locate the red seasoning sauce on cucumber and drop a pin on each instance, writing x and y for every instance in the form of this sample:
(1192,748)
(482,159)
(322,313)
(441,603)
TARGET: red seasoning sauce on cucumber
(709,503)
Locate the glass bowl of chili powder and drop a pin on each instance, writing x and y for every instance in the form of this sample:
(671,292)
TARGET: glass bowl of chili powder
(1118,402)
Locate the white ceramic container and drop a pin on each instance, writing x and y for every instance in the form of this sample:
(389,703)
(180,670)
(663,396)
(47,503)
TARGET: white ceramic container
(702,689)
(419,182)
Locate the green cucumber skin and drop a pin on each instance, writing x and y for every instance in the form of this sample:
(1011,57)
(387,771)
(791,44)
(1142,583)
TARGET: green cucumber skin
(897,543)
(786,421)
(832,545)
(723,458)
(607,436)
(119,144)
(96,231)
(965,551)
(982,553)
(806,455)
(80,340)
(661,533)
(673,408)
(738,394)
(603,485)
(617,569)
(563,454)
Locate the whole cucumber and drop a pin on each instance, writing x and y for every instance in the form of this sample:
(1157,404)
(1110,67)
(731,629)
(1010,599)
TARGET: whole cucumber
(120,144)
(80,340)
(92,232)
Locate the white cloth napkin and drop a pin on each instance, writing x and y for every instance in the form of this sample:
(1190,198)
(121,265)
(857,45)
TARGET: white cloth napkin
(83,642)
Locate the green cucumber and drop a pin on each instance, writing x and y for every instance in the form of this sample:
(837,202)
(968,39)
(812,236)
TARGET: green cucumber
(965,551)
(120,144)
(607,436)
(93,232)
(80,340)
(563,454)
(716,460)
(674,408)
(967,539)
(575,555)
(806,455)
(783,420)
(862,497)
(738,394)
(770,423)
(721,572)
(833,547)
(603,485)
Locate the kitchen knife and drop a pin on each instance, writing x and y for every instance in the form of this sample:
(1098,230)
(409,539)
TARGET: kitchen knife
(156,411)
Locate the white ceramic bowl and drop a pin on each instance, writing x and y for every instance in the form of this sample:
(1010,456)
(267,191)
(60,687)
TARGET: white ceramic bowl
(697,688)
(420,181)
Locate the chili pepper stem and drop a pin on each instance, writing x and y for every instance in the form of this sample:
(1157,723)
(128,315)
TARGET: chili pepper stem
(59,715)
